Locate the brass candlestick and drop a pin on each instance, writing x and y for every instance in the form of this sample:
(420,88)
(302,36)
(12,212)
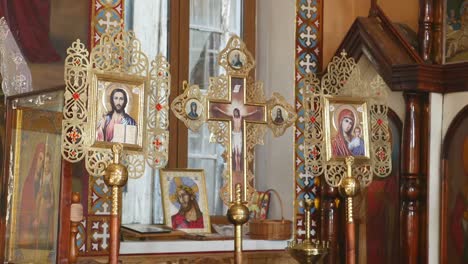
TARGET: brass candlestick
(349,188)
(116,176)
(238,214)
(308,252)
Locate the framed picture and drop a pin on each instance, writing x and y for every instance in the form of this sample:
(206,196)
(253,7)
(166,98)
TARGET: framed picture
(185,201)
(455,39)
(259,205)
(119,108)
(35,224)
(346,128)
(236,59)
(193,109)
(278,115)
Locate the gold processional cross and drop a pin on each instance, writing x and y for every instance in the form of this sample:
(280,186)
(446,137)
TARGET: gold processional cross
(237,112)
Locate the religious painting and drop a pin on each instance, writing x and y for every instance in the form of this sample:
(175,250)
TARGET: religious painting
(36,174)
(259,205)
(119,112)
(279,115)
(238,112)
(193,109)
(185,200)
(236,59)
(455,192)
(456,28)
(346,128)
(377,215)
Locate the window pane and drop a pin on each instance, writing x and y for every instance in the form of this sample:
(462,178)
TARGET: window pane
(212,22)
(149,19)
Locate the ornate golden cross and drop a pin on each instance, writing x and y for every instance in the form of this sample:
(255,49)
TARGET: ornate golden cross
(238,113)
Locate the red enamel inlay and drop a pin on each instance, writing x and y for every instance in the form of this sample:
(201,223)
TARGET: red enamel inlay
(157,143)
(314,153)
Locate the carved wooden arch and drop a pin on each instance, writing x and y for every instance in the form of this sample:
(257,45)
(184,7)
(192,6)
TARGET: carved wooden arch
(399,64)
(455,125)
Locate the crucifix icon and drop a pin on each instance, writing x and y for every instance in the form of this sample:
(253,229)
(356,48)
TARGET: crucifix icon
(238,113)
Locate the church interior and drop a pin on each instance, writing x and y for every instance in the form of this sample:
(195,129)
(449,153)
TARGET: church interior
(234,131)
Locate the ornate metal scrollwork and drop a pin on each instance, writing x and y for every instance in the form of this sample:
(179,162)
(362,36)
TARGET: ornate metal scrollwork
(117,58)
(343,80)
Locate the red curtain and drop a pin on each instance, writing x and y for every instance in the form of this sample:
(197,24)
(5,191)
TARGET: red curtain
(29,23)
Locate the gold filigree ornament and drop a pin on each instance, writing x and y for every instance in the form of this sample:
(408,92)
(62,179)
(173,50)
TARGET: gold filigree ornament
(281,115)
(190,107)
(235,58)
(115,95)
(343,87)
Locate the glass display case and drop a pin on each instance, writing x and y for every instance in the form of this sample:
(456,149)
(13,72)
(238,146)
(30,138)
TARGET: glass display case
(35,187)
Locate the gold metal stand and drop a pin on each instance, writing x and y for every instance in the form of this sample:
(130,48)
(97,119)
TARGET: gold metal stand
(308,252)
(349,188)
(238,214)
(116,177)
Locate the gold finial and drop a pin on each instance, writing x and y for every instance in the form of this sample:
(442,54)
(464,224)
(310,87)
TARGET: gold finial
(116,174)
(350,185)
(184,85)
